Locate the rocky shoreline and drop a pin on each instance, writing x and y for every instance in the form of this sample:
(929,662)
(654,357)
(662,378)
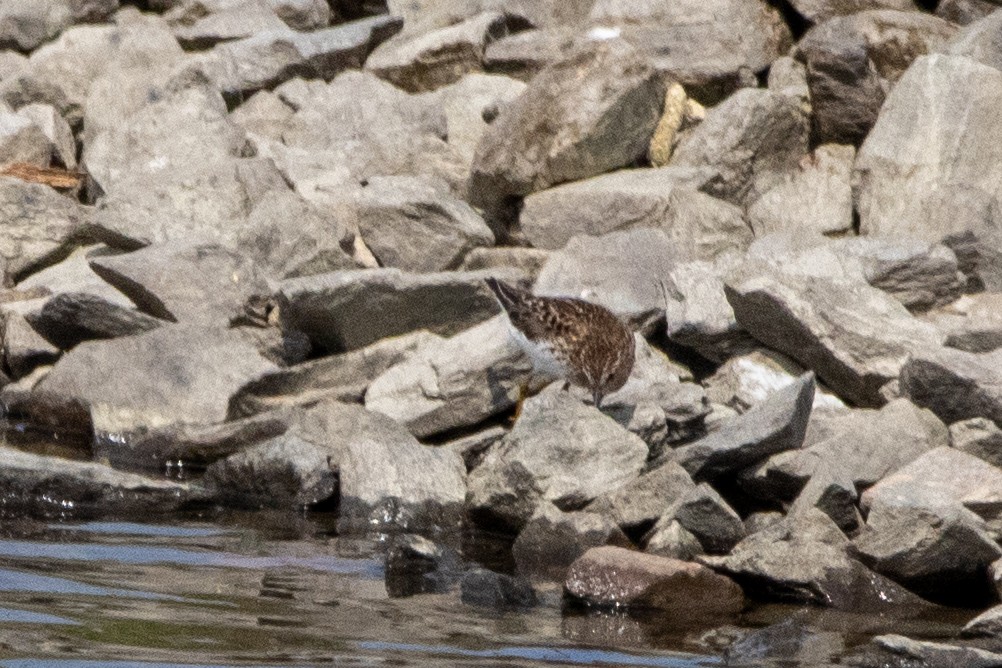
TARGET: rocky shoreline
(246,241)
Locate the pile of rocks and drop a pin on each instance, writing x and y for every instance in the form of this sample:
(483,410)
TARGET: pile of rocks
(271,271)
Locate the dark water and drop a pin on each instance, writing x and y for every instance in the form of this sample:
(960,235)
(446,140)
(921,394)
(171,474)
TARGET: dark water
(271,590)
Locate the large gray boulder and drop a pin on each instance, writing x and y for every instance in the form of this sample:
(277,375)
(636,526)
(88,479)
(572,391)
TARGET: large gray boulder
(775,425)
(70,318)
(344,310)
(549,135)
(560,451)
(27,25)
(171,375)
(643,500)
(667,198)
(753,139)
(703,512)
(953,384)
(455,383)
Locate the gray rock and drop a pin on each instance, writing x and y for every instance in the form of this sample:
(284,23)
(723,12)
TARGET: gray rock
(953,384)
(852,61)
(474,448)
(561,451)
(671,539)
(454,383)
(47,119)
(429,60)
(52,487)
(936,551)
(940,477)
(917,273)
(789,641)
(804,558)
(416,224)
(987,624)
(861,446)
(206,202)
(818,11)
(563,139)
(973,323)
(173,374)
(641,501)
(833,492)
(523,54)
(184,282)
(416,565)
(287,236)
(388,481)
(748,379)
(15,396)
(283,471)
(775,425)
(816,197)
(344,310)
(979,437)
(27,25)
(40,226)
(697,313)
(979,40)
(788,76)
(71,318)
(24,349)
(552,540)
(855,337)
(619,270)
(342,377)
(703,512)
(752,140)
(201,25)
(708,47)
(529,261)
(22,141)
(914,174)
(965,12)
(266,59)
(617,577)
(73,274)
(701,226)
(487,589)
(897,650)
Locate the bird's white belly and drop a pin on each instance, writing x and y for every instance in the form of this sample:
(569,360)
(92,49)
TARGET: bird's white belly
(543,360)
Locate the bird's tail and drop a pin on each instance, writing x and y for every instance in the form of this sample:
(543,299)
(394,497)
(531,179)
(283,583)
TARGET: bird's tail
(508,295)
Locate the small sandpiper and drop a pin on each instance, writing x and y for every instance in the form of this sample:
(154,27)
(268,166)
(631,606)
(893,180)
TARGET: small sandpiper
(580,342)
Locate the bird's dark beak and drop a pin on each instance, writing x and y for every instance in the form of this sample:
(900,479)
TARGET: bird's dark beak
(596,396)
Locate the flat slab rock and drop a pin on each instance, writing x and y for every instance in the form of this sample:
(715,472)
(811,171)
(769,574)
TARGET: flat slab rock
(617,577)
(173,374)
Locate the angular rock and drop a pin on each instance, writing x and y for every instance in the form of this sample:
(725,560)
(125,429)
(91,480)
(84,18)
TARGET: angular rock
(703,512)
(804,558)
(22,141)
(344,310)
(855,337)
(708,47)
(641,501)
(24,349)
(671,539)
(978,41)
(487,589)
(833,492)
(47,119)
(561,451)
(39,227)
(862,446)
(789,641)
(953,384)
(529,261)
(752,140)
(433,59)
(342,377)
(897,650)
(775,425)
(171,375)
(973,323)
(818,11)
(552,540)
(27,25)
(416,224)
(940,477)
(547,136)
(474,448)
(70,318)
(202,25)
(523,54)
(746,380)
(915,172)
(184,282)
(666,198)
(979,437)
(788,76)
(387,480)
(940,552)
(852,61)
(816,197)
(617,577)
(416,565)
(987,624)
(73,274)
(454,383)
(267,59)
(283,471)
(52,487)
(619,270)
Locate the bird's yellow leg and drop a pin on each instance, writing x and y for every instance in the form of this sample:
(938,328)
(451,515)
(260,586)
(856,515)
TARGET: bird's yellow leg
(523,394)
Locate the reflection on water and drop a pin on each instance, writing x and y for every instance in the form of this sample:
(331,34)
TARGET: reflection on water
(268,590)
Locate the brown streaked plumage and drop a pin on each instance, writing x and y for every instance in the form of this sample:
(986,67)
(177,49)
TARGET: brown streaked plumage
(581,342)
